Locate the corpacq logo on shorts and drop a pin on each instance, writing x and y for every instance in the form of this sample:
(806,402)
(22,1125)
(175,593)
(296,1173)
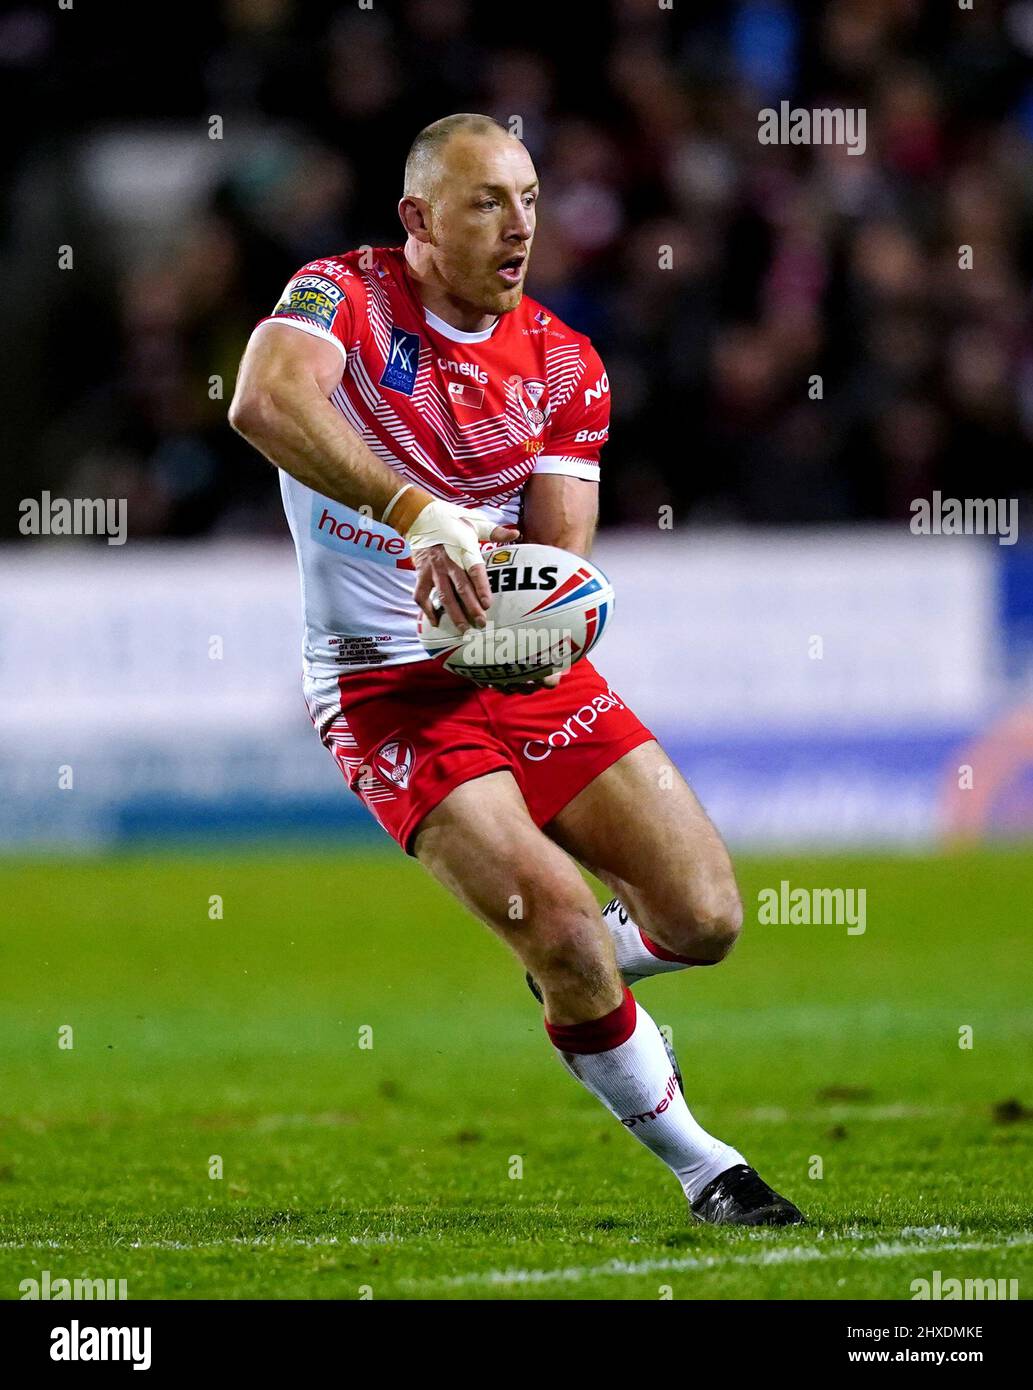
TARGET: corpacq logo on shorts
(536,750)
(403,357)
(313,298)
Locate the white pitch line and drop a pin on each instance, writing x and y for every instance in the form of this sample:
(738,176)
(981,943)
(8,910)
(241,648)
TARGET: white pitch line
(849,1110)
(248,1242)
(792,1254)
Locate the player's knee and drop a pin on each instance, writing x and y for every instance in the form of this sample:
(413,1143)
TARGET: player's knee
(703,925)
(717,918)
(567,947)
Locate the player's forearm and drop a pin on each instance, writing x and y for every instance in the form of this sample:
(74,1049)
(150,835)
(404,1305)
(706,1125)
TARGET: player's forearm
(296,428)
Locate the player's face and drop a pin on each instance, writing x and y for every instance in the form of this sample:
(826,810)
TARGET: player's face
(483,221)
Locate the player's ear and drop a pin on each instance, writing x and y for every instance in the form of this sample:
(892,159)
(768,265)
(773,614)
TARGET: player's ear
(415,216)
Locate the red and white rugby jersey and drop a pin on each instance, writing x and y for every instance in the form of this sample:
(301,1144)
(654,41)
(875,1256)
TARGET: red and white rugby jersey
(468,416)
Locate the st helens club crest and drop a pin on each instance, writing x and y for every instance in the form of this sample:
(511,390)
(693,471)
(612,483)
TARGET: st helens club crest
(529,394)
(394,761)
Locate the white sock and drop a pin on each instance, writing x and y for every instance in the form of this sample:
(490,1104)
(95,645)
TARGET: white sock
(637,956)
(622,1060)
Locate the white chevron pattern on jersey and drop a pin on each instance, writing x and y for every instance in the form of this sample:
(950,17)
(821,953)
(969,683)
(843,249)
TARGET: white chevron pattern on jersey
(563,370)
(472,419)
(490,488)
(378,309)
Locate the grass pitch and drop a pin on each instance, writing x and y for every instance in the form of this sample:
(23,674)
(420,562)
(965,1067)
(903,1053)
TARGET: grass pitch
(454,1157)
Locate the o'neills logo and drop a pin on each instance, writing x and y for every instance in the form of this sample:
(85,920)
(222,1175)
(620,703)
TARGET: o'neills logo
(632,1120)
(536,750)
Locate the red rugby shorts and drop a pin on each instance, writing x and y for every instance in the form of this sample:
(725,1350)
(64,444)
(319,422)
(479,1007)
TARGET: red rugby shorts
(407,735)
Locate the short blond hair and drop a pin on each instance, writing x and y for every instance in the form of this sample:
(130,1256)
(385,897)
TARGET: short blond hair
(421,165)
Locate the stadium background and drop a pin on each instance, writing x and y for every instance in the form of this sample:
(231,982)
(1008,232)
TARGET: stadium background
(187,886)
(788,262)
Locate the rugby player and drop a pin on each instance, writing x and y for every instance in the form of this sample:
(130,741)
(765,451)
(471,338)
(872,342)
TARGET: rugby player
(418,404)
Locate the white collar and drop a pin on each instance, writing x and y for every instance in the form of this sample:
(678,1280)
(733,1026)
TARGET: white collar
(456,334)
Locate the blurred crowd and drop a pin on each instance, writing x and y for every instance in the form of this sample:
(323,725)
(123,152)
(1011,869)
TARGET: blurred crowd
(809,349)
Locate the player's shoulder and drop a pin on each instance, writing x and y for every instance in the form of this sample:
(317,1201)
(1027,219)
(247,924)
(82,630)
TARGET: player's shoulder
(570,357)
(362,283)
(344,269)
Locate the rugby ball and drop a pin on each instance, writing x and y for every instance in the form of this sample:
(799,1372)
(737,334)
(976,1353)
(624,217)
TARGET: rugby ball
(549,608)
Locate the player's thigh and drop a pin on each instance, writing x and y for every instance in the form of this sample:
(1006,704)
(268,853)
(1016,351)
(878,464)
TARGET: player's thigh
(639,827)
(481,843)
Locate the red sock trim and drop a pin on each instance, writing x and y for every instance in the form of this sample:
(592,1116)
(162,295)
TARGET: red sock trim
(598,1034)
(662,953)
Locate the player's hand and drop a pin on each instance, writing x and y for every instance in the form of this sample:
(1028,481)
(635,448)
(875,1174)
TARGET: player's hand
(445,544)
(529,687)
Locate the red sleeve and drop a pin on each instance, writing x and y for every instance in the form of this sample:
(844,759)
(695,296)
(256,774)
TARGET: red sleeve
(325,298)
(580,425)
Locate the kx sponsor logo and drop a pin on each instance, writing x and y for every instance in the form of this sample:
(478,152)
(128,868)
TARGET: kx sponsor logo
(403,358)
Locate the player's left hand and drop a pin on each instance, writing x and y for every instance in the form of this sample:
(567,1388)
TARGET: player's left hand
(528,687)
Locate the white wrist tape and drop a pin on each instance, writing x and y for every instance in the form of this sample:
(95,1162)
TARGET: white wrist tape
(443,523)
(387,510)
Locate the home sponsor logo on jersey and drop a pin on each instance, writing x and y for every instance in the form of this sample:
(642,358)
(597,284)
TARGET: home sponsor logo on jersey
(311,297)
(359,537)
(536,750)
(403,359)
(394,761)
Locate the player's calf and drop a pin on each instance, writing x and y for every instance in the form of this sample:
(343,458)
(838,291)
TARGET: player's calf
(566,949)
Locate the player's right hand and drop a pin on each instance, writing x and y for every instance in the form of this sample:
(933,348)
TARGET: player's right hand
(445,544)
